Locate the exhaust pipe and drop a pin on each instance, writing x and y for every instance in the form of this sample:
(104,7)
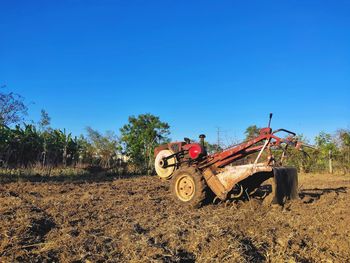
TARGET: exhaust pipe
(201,139)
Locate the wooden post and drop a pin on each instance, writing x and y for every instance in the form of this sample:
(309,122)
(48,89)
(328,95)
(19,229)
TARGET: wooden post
(330,161)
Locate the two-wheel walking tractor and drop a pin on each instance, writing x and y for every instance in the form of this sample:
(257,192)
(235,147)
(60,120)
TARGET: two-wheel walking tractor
(233,173)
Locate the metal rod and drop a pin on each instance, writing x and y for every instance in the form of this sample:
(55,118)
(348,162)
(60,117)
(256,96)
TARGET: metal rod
(261,151)
(270,120)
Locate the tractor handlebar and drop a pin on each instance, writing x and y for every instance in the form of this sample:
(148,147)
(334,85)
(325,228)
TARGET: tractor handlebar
(284,130)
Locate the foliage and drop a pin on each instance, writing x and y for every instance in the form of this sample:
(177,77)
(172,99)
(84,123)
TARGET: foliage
(12,108)
(25,146)
(140,136)
(212,148)
(342,141)
(328,147)
(45,120)
(29,145)
(104,148)
(251,132)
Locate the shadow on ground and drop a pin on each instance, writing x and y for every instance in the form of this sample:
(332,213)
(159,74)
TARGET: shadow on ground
(313,194)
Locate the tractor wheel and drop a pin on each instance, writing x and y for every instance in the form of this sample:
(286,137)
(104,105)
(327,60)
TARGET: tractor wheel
(164,173)
(188,187)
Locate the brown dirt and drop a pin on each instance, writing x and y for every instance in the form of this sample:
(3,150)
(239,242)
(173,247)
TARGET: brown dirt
(135,220)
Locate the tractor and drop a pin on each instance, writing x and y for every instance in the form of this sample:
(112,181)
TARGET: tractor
(196,176)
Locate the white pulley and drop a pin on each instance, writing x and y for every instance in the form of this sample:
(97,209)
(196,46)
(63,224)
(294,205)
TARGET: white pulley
(164,173)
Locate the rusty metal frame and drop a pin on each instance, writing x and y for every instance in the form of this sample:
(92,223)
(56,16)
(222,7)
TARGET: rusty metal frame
(216,169)
(221,177)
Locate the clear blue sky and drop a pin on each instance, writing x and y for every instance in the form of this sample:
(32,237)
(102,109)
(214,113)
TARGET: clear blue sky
(196,64)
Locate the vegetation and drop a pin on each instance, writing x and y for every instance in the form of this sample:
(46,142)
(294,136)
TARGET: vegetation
(12,108)
(251,132)
(332,151)
(38,145)
(140,136)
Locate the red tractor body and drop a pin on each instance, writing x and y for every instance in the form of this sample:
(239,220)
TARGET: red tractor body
(191,169)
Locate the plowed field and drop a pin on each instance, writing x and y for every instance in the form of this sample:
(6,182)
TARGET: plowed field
(135,220)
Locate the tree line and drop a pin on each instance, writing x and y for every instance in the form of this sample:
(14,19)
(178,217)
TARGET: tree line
(29,145)
(38,144)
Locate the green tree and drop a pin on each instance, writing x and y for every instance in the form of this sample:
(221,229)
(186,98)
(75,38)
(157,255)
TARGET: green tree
(343,142)
(45,120)
(303,159)
(140,136)
(105,148)
(5,144)
(212,148)
(325,144)
(25,145)
(85,153)
(44,126)
(251,132)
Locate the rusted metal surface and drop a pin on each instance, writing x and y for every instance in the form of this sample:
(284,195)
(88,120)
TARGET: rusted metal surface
(221,177)
(232,175)
(214,183)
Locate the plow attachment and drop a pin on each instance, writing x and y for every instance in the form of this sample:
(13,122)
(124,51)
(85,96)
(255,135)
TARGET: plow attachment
(285,186)
(283,180)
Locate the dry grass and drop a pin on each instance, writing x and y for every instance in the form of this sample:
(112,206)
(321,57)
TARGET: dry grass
(98,220)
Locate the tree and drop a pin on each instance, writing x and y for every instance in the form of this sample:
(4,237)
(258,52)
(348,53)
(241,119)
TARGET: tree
(85,151)
(12,108)
(5,144)
(343,137)
(251,132)
(44,124)
(24,146)
(45,120)
(327,149)
(343,142)
(304,159)
(105,148)
(325,143)
(212,148)
(140,136)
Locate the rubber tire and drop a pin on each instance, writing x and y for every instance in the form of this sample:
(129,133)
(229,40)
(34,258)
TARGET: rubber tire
(201,191)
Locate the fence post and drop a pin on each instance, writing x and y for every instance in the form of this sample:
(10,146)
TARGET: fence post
(330,161)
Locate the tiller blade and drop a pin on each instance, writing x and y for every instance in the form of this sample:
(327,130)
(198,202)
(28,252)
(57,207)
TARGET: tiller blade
(285,184)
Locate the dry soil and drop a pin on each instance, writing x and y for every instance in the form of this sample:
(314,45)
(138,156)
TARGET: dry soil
(134,220)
